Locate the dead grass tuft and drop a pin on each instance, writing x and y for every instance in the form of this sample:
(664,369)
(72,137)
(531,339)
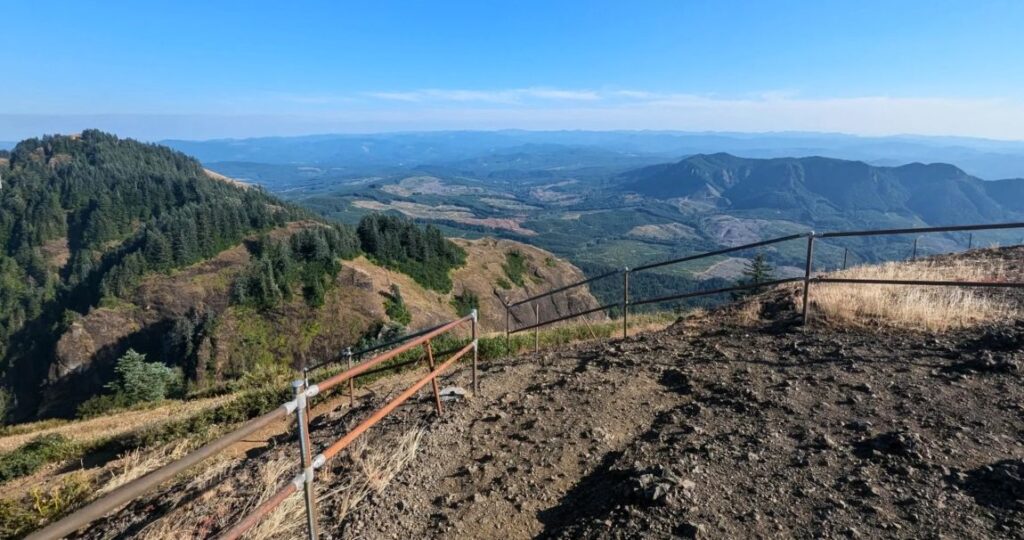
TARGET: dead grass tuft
(912,306)
(749,313)
(139,462)
(372,469)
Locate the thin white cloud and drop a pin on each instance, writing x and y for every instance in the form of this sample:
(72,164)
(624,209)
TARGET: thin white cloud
(509,96)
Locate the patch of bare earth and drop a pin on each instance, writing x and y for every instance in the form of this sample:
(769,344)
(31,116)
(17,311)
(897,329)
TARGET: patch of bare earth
(735,423)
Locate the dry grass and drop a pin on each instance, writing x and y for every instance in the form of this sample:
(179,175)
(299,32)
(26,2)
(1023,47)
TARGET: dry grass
(106,427)
(749,313)
(911,306)
(373,468)
(140,462)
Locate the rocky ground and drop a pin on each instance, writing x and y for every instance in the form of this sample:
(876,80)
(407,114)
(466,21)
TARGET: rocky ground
(713,428)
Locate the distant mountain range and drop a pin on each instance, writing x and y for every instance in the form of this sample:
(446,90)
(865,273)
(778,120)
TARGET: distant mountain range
(818,187)
(987,159)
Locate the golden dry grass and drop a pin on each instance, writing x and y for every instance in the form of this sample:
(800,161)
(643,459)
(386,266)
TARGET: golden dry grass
(749,313)
(139,462)
(94,429)
(913,306)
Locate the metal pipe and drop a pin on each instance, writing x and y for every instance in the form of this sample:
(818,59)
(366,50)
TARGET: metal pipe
(625,302)
(352,381)
(713,291)
(508,331)
(536,328)
(720,252)
(846,252)
(564,288)
(570,316)
(366,366)
(807,274)
(970,241)
(476,354)
(921,230)
(343,442)
(433,380)
(306,458)
(124,494)
(913,255)
(260,512)
(986,284)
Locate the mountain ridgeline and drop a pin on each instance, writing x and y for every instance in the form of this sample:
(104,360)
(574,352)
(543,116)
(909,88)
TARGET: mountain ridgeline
(107,243)
(818,190)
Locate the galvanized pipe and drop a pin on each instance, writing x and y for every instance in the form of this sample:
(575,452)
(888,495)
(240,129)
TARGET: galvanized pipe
(807,274)
(302,419)
(922,230)
(625,303)
(695,294)
(563,288)
(565,317)
(536,328)
(846,251)
(720,252)
(124,494)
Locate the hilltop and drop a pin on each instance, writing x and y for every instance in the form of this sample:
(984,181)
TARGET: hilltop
(734,422)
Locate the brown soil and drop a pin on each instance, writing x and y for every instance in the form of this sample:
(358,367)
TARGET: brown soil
(722,426)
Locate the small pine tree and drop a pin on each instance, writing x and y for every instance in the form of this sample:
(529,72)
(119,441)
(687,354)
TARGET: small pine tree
(758,270)
(138,380)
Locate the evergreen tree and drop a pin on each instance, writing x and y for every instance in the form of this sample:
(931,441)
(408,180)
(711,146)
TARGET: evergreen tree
(758,270)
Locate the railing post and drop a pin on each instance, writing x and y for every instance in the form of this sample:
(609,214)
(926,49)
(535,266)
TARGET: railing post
(846,251)
(351,382)
(970,242)
(302,416)
(913,256)
(476,356)
(536,328)
(433,380)
(807,274)
(625,302)
(508,328)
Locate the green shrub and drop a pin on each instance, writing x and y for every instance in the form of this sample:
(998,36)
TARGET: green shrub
(140,381)
(503,284)
(394,306)
(515,267)
(465,303)
(29,457)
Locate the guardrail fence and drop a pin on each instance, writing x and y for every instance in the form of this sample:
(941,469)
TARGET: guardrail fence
(807,279)
(308,463)
(304,391)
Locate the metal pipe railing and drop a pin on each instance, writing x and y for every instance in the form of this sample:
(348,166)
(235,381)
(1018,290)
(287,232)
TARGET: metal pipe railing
(720,252)
(563,288)
(334,449)
(126,493)
(922,230)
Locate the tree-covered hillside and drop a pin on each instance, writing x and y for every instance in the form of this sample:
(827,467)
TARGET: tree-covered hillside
(84,217)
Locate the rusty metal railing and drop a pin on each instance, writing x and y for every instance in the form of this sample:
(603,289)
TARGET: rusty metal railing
(309,463)
(807,279)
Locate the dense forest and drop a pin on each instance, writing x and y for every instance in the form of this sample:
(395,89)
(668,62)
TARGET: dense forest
(424,254)
(84,217)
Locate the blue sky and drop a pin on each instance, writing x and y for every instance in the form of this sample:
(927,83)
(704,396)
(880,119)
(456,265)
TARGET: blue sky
(211,69)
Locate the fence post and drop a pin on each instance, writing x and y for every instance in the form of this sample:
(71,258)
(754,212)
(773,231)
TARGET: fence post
(625,302)
(807,273)
(536,327)
(846,251)
(302,416)
(351,382)
(433,380)
(476,387)
(913,256)
(970,241)
(508,328)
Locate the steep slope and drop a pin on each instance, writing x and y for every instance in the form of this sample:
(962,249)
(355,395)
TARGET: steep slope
(110,244)
(818,189)
(84,217)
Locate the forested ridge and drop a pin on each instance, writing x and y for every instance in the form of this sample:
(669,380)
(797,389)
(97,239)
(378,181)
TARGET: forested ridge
(84,218)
